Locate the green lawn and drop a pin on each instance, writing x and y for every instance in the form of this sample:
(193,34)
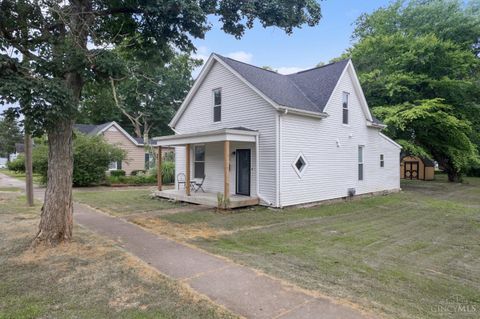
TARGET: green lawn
(402,255)
(122,202)
(88,278)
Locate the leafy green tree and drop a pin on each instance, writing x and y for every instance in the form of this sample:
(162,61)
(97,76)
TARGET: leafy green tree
(145,97)
(9,135)
(415,53)
(50,49)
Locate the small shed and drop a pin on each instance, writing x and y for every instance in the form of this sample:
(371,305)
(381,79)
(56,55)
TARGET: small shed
(415,167)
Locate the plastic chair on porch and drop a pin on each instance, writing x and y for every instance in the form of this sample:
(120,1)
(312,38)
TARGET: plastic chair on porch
(181,180)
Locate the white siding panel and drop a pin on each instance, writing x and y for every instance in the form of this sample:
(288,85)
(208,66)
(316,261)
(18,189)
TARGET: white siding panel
(333,167)
(179,162)
(241,106)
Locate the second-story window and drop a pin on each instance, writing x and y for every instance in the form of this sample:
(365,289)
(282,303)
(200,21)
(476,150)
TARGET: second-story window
(217,105)
(345,107)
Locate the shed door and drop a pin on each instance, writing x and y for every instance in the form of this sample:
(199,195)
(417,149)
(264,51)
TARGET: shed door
(411,170)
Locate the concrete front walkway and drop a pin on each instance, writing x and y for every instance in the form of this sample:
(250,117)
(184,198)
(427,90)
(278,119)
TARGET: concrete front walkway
(240,289)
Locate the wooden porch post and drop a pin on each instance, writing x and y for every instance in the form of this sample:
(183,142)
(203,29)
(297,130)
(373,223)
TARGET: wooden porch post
(187,169)
(226,170)
(159,168)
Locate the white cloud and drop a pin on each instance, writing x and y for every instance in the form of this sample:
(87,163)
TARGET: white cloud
(289,69)
(202,53)
(241,56)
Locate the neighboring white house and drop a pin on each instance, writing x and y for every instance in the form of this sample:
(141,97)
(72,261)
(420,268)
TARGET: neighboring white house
(281,139)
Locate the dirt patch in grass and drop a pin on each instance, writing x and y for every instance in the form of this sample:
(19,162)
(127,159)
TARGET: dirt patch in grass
(180,232)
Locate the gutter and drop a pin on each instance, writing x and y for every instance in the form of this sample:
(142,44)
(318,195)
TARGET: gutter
(286,109)
(375,125)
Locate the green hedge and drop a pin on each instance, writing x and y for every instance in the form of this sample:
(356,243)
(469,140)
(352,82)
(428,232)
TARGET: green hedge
(148,178)
(91,158)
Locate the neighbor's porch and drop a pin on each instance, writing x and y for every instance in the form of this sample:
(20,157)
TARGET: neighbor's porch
(214,168)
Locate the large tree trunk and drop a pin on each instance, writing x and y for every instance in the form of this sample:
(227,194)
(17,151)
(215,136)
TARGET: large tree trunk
(56,221)
(454,176)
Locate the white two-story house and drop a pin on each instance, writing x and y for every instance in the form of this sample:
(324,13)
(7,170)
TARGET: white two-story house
(251,135)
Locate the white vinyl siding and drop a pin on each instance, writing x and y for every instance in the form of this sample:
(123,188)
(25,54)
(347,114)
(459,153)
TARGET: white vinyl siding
(332,153)
(241,106)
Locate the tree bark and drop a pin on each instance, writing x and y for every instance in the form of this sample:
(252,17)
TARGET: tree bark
(56,222)
(454,177)
(453,174)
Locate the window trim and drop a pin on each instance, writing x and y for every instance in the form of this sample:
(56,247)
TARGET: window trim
(215,105)
(345,94)
(382,160)
(361,162)
(302,172)
(195,159)
(116,166)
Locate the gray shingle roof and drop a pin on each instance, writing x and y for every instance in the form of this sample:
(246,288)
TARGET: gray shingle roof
(306,90)
(90,129)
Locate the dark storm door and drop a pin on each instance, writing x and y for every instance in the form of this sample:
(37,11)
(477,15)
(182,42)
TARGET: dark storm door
(411,170)
(243,172)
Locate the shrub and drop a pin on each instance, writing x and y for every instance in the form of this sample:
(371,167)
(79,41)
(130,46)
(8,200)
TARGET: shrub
(117,173)
(168,172)
(39,162)
(17,165)
(137,171)
(91,158)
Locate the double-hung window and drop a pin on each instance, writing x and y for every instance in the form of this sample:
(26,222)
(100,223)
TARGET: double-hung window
(382,160)
(199,161)
(345,108)
(217,105)
(360,163)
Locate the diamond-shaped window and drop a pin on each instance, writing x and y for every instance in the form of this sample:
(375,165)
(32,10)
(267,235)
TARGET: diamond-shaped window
(300,165)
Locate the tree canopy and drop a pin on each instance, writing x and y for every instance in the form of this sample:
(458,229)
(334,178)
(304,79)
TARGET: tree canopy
(143,97)
(423,56)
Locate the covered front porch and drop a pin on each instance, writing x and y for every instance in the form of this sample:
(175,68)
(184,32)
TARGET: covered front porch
(215,168)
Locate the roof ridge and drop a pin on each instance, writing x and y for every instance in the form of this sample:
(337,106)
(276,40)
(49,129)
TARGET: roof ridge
(319,67)
(254,66)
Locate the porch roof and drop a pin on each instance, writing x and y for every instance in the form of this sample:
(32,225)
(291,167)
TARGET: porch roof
(236,134)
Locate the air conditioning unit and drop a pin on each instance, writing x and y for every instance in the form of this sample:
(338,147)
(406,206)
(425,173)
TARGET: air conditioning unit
(351,192)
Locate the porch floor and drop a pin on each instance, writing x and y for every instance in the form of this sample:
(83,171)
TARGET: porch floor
(207,199)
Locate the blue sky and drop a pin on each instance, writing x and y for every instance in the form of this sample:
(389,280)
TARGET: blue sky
(303,49)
